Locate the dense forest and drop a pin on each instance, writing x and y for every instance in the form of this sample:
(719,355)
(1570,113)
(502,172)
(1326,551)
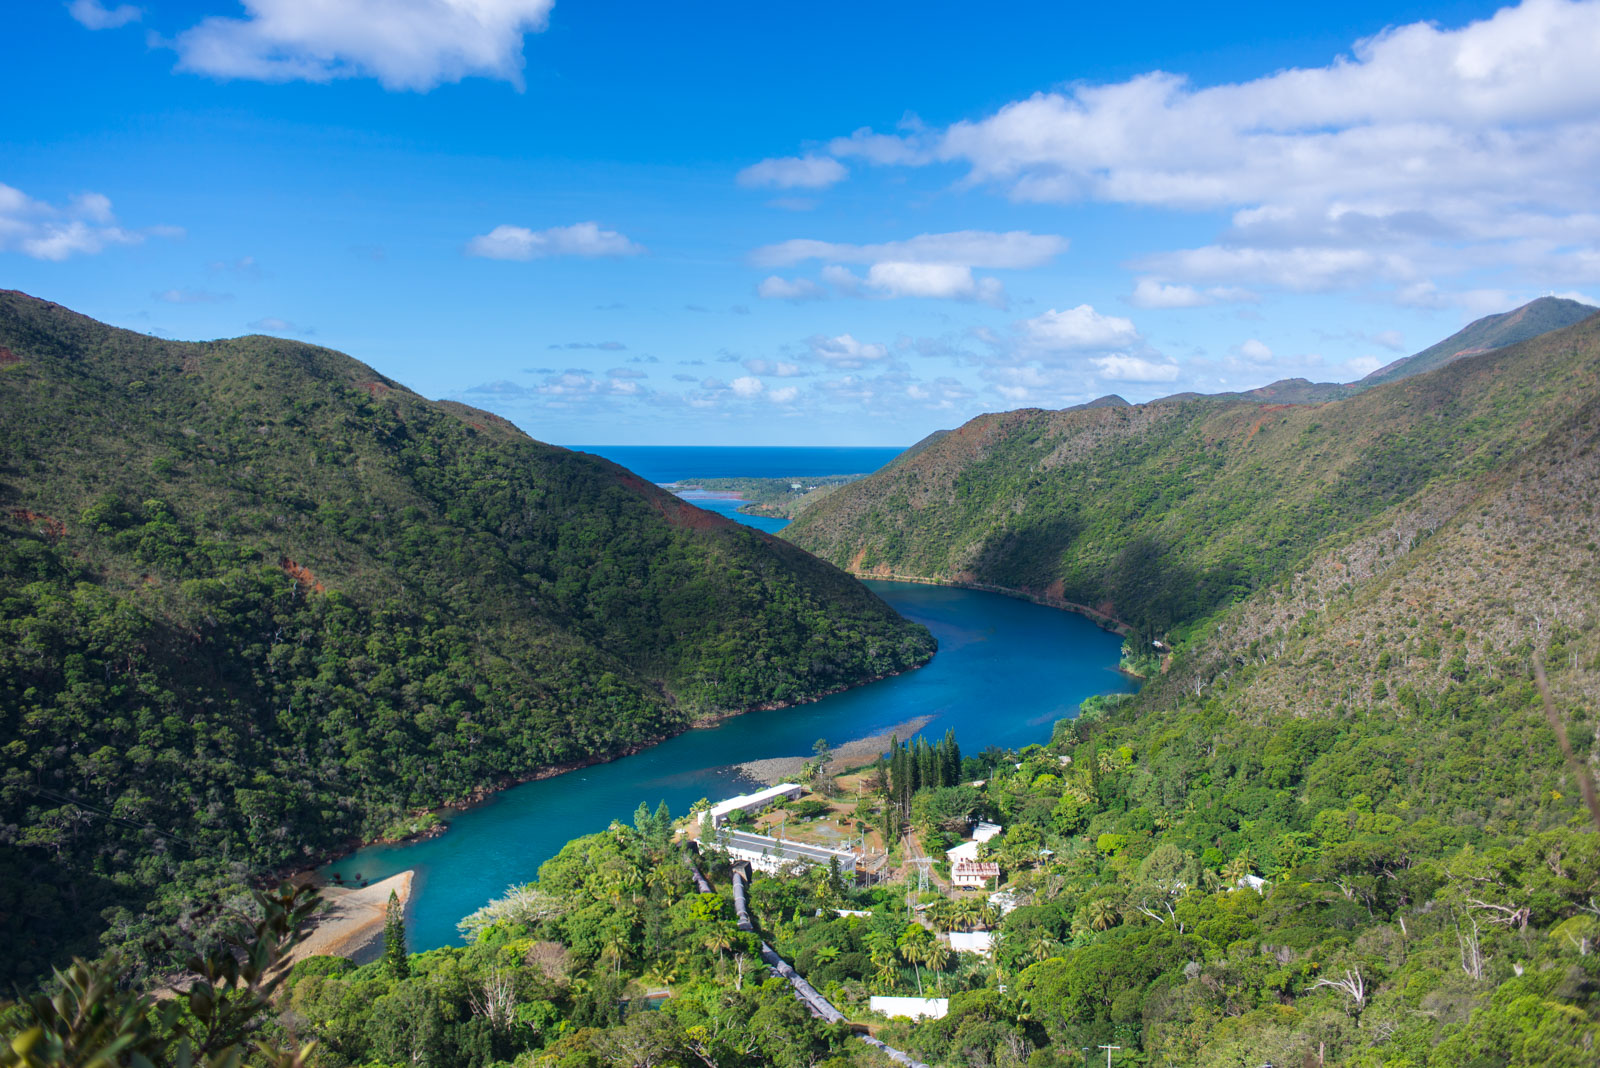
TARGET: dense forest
(258,601)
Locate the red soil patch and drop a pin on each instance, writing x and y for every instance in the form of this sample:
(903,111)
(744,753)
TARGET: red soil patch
(376,389)
(302,575)
(675,510)
(7,357)
(53,528)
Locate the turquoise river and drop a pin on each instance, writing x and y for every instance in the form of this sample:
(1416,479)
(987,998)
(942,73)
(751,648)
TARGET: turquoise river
(1006,670)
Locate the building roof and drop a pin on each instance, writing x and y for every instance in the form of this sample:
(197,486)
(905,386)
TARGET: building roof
(783,790)
(964,851)
(985,868)
(971,941)
(785,849)
(982,832)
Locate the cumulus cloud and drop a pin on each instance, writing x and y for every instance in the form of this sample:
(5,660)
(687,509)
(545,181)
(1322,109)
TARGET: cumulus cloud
(933,280)
(1079,329)
(783,394)
(1123,368)
(845,352)
(581,239)
(1255,351)
(1427,151)
(85,225)
(746,386)
(937,266)
(794,172)
(775,288)
(404,44)
(96,16)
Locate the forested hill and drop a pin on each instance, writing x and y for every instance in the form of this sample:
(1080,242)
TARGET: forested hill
(257,600)
(1491,332)
(1159,514)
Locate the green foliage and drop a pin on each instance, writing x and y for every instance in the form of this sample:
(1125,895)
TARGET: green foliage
(395,962)
(332,605)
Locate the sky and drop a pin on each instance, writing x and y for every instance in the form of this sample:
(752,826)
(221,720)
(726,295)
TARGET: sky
(802,224)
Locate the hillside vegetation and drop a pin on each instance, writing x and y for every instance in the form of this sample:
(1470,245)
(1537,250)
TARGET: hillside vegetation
(257,600)
(1158,514)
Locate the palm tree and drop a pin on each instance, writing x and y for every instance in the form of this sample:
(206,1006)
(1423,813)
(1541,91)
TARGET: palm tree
(914,948)
(887,970)
(1102,914)
(937,955)
(718,938)
(1237,869)
(827,954)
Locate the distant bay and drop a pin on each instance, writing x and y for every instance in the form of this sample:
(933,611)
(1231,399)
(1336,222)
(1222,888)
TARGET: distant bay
(674,463)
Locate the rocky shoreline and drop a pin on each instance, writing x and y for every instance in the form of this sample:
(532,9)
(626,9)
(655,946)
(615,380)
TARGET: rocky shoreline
(773,770)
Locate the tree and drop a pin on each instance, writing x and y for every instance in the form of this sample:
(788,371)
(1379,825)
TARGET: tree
(395,961)
(913,946)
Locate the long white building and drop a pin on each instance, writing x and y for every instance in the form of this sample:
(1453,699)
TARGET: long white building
(784,791)
(772,854)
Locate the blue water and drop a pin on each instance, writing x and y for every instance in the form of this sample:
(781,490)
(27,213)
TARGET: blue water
(1005,671)
(673,463)
(729,506)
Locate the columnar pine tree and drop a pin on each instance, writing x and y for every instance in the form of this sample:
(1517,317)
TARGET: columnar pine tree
(395,961)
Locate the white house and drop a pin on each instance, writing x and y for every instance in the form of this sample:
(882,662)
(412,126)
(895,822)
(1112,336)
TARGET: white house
(914,1008)
(982,832)
(784,791)
(974,873)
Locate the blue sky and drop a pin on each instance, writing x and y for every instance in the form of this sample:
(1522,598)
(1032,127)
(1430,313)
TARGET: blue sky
(802,224)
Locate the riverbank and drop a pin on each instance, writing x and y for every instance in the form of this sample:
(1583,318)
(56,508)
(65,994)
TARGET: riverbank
(481,794)
(773,770)
(1097,616)
(351,922)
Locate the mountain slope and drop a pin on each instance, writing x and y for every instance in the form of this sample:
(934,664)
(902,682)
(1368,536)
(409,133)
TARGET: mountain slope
(1159,513)
(257,599)
(1491,332)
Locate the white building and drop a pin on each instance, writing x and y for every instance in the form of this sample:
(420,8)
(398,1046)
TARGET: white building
(784,791)
(974,873)
(982,832)
(964,851)
(912,1008)
(981,942)
(773,854)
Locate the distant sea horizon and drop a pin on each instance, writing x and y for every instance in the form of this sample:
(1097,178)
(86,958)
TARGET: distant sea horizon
(676,463)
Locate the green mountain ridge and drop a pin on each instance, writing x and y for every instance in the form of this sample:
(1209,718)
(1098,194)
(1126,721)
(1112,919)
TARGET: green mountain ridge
(1160,513)
(260,600)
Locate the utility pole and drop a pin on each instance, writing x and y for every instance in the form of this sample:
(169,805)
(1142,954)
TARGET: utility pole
(1108,1050)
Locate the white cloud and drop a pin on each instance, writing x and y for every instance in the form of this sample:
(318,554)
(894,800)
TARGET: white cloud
(405,44)
(942,281)
(1080,329)
(1581,298)
(1255,351)
(96,16)
(773,368)
(845,352)
(775,288)
(1428,151)
(746,386)
(1154,293)
(1124,368)
(84,226)
(581,239)
(794,172)
(963,248)
(783,394)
